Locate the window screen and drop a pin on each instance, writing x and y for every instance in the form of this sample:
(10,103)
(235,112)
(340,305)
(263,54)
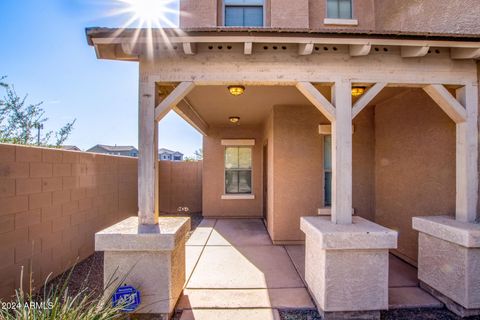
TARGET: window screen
(339,9)
(244,13)
(238,170)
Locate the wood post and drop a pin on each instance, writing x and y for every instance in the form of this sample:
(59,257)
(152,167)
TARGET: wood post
(464,111)
(148,154)
(467,156)
(342,153)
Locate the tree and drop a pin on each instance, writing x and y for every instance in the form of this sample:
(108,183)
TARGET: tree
(21,122)
(197,156)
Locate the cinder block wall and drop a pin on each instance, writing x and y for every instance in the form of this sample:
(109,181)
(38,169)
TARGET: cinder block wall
(51,204)
(180,186)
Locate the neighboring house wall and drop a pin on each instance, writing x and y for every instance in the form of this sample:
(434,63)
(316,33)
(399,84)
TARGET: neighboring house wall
(213,173)
(53,201)
(414,164)
(440,16)
(180,186)
(125,153)
(51,204)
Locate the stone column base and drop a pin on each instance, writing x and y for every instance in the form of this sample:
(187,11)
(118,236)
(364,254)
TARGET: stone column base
(149,258)
(346,266)
(449,261)
(449,303)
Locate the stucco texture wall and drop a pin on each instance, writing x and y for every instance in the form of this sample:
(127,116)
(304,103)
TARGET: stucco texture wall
(198,13)
(363,168)
(414,165)
(296,168)
(213,173)
(289,14)
(270,174)
(440,16)
(363,11)
(298,165)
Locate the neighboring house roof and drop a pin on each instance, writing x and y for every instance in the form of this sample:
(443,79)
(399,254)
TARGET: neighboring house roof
(114,148)
(71,148)
(167,151)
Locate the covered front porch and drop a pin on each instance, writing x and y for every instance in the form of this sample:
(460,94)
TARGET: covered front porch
(420,98)
(235,272)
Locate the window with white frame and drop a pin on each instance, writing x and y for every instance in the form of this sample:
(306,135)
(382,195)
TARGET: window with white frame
(238,170)
(327,170)
(339,9)
(244,13)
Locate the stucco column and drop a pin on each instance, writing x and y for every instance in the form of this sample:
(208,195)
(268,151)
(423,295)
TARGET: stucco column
(467,156)
(148,154)
(342,153)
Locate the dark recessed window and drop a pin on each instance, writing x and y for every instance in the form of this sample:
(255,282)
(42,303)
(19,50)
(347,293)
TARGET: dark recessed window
(327,169)
(244,13)
(339,9)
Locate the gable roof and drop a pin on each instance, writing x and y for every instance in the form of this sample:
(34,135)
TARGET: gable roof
(114,148)
(70,147)
(164,150)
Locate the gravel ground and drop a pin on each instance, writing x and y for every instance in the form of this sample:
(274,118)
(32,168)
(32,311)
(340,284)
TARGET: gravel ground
(401,314)
(89,274)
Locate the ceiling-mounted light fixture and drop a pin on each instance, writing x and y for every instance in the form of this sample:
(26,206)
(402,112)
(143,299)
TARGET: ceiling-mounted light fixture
(357,91)
(236,90)
(234,120)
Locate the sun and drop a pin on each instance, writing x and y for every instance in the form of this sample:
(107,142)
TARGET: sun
(149,13)
(148,18)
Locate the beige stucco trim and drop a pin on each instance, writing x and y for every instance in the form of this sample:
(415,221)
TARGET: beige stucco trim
(238,197)
(238,142)
(340,22)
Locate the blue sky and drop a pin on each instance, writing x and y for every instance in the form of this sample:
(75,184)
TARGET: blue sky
(44,53)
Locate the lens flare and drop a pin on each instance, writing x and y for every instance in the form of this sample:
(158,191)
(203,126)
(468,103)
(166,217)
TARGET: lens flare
(149,13)
(152,16)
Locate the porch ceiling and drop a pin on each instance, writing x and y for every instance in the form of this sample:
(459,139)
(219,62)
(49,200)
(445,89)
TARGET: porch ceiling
(214,104)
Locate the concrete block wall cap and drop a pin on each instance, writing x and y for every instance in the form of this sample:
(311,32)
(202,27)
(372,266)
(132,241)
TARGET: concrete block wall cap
(361,234)
(448,229)
(128,235)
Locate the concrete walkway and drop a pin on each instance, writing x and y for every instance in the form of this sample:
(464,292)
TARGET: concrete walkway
(235,272)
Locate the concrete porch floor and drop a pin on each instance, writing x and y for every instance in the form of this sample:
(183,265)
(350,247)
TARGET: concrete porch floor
(235,272)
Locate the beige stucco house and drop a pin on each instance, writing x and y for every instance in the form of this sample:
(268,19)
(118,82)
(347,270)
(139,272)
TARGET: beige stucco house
(348,111)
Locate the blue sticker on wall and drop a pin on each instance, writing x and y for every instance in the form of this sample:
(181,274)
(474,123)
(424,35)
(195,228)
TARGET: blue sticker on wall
(128,297)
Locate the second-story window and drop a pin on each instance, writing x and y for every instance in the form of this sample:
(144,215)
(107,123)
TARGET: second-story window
(339,9)
(244,13)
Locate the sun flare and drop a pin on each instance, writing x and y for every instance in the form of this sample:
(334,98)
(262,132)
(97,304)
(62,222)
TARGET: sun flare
(148,13)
